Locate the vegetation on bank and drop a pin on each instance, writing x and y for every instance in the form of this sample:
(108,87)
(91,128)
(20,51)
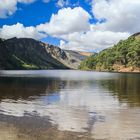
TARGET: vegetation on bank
(123,55)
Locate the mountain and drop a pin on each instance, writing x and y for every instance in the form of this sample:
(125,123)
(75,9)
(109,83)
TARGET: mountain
(123,57)
(86,53)
(26,53)
(69,58)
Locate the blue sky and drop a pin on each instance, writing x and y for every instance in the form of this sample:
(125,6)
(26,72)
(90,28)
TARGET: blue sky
(40,12)
(86,25)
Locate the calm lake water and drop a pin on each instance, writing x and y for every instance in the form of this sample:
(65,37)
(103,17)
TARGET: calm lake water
(69,105)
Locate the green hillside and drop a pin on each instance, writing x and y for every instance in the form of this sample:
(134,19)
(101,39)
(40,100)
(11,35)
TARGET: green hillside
(125,56)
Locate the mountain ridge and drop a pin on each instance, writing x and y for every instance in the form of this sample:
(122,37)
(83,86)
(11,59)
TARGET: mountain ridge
(27,53)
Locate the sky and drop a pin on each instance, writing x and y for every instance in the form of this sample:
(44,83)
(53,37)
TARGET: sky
(83,25)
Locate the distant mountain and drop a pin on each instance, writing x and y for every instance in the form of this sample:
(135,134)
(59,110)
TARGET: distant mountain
(123,57)
(69,58)
(25,53)
(86,53)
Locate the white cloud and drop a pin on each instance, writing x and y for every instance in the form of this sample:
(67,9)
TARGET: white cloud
(72,25)
(62,42)
(67,21)
(19,31)
(62,3)
(92,40)
(120,15)
(8,7)
(26,1)
(121,19)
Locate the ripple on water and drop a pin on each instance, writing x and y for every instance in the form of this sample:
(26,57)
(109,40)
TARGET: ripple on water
(78,104)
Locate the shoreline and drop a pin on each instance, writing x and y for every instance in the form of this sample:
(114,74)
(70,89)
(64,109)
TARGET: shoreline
(127,72)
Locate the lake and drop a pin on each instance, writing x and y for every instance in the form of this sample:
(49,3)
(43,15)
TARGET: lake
(69,105)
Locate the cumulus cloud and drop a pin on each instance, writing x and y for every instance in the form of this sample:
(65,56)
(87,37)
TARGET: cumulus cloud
(26,1)
(119,21)
(62,3)
(8,7)
(92,40)
(120,15)
(66,21)
(116,20)
(19,31)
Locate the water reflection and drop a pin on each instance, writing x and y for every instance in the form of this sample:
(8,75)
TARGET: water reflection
(24,88)
(96,105)
(126,88)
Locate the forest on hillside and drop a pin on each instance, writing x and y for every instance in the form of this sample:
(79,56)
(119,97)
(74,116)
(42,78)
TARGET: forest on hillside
(125,54)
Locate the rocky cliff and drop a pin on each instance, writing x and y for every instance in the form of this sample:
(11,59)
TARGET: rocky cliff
(26,53)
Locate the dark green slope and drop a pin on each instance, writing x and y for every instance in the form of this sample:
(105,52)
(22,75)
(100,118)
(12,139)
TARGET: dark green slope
(26,54)
(123,57)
